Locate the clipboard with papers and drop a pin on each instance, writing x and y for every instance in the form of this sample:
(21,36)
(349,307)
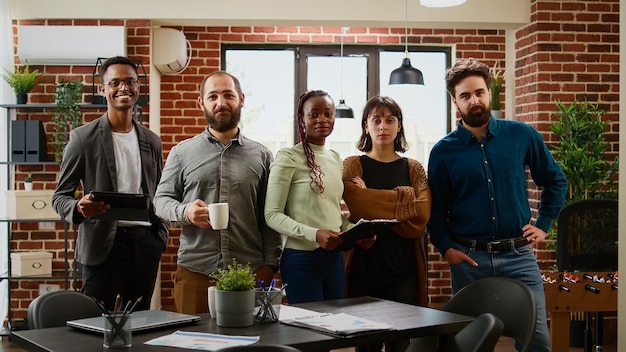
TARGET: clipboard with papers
(363,229)
(124,206)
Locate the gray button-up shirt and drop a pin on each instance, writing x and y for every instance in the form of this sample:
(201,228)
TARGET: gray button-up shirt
(203,168)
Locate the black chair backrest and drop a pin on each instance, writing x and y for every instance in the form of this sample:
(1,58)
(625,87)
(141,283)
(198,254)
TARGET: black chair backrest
(587,236)
(509,300)
(260,348)
(53,309)
(481,335)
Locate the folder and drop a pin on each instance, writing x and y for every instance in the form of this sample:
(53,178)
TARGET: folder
(124,206)
(36,144)
(18,141)
(363,229)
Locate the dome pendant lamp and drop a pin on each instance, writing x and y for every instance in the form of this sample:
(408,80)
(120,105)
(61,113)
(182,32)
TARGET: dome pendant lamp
(342,110)
(406,74)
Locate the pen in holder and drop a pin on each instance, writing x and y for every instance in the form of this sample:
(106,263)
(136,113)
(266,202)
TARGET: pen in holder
(267,306)
(117,330)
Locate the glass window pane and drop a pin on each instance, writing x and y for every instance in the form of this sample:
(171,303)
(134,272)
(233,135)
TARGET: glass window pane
(267,80)
(425,108)
(325,73)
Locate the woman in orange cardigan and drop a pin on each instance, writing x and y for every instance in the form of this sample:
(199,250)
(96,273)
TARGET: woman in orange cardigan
(381,184)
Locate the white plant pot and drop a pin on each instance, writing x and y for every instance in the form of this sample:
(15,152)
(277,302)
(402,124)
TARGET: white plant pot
(496,113)
(234,308)
(28,186)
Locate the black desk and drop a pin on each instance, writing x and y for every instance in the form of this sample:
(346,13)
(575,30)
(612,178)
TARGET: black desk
(408,321)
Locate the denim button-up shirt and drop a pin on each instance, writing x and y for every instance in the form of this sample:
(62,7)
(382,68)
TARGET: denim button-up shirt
(479,189)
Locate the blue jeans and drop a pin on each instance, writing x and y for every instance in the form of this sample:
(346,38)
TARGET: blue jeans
(312,276)
(520,264)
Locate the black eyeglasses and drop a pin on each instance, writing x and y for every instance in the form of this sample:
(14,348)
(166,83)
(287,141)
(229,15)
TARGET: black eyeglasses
(115,83)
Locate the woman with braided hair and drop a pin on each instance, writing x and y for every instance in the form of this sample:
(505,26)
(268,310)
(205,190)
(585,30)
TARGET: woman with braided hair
(303,204)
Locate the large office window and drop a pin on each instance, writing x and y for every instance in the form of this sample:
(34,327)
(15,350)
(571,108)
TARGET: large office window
(273,79)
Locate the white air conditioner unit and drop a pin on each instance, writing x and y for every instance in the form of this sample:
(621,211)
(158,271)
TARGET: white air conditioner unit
(172,51)
(69,45)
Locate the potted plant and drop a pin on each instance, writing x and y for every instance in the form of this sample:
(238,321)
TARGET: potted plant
(497,81)
(67,115)
(28,183)
(22,82)
(234,295)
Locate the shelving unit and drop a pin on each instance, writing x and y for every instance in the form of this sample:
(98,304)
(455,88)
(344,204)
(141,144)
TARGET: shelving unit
(68,275)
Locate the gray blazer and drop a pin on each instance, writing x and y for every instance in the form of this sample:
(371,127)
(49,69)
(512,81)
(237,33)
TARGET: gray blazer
(89,159)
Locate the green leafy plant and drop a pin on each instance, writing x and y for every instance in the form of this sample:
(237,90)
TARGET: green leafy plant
(28,179)
(67,115)
(497,81)
(581,151)
(23,81)
(236,277)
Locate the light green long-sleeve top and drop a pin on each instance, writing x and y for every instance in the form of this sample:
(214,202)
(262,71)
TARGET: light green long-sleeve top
(291,206)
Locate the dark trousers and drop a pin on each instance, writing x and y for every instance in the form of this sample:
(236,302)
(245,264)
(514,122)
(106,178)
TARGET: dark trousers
(130,270)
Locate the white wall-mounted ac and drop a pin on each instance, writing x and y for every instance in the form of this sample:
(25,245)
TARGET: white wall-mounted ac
(172,50)
(69,45)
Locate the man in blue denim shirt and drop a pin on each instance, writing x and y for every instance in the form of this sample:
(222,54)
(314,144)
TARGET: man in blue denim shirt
(481,219)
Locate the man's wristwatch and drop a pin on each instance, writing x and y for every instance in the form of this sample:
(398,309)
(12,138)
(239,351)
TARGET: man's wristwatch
(273,267)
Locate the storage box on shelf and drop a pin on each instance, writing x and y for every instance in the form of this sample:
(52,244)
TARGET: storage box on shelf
(36,205)
(31,264)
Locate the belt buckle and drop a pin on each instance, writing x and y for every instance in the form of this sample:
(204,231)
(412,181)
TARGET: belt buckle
(493,243)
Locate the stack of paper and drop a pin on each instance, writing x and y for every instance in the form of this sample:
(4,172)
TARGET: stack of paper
(336,324)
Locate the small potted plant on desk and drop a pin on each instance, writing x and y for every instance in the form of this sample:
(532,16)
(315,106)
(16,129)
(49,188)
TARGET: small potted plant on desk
(22,82)
(234,295)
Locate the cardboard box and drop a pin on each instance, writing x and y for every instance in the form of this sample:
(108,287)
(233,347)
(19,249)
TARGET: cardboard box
(35,204)
(31,264)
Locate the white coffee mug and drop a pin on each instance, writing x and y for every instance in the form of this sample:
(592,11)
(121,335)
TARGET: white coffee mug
(212,310)
(218,215)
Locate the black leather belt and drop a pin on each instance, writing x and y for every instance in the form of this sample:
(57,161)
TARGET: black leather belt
(497,246)
(134,229)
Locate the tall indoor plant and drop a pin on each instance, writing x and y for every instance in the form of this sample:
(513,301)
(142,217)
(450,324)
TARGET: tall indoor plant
(581,151)
(22,82)
(234,295)
(67,115)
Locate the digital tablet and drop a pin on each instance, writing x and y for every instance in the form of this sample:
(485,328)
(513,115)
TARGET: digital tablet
(124,206)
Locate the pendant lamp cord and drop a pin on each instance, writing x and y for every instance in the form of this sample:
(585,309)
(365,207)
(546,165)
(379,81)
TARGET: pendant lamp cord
(341,61)
(406,29)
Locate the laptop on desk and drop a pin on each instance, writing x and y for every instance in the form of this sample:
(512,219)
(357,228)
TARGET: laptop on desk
(141,321)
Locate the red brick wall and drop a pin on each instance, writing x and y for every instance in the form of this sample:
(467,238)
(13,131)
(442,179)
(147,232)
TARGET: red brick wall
(568,52)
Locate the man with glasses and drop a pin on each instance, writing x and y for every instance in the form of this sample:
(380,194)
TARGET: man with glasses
(114,153)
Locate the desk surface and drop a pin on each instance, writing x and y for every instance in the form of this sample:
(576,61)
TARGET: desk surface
(408,321)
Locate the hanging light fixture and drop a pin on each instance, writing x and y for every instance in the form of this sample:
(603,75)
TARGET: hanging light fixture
(342,110)
(441,3)
(406,74)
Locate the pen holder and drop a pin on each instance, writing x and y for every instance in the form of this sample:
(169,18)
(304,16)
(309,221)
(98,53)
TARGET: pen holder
(267,305)
(117,330)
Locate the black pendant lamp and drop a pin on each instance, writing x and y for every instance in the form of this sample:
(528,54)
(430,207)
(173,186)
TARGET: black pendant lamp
(406,74)
(342,110)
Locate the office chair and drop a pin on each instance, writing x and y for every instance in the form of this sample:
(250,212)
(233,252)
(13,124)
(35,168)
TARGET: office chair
(509,300)
(260,348)
(53,309)
(587,241)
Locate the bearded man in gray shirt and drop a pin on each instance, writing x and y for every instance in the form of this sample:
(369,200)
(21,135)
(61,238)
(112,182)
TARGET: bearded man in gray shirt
(217,166)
